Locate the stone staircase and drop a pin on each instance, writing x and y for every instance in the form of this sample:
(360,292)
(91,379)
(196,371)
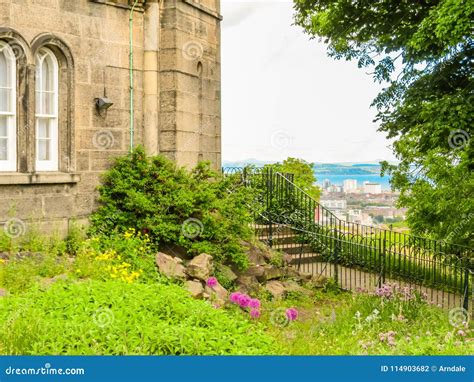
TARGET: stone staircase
(282,238)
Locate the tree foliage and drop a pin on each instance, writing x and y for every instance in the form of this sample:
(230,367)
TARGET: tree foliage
(303,171)
(423,51)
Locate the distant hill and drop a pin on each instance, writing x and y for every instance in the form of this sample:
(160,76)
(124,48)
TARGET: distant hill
(319,168)
(336,173)
(245,162)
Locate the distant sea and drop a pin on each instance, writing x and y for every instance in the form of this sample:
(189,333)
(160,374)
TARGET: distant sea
(335,172)
(338,179)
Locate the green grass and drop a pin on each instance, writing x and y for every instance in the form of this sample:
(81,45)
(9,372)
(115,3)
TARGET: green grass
(328,326)
(60,303)
(113,317)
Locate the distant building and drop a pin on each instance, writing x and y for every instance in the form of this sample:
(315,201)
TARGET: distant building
(334,204)
(334,188)
(326,184)
(372,188)
(350,185)
(359,217)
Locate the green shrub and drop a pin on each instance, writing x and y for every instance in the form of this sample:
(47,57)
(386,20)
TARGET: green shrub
(116,318)
(195,210)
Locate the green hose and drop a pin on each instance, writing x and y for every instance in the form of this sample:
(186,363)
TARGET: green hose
(132,114)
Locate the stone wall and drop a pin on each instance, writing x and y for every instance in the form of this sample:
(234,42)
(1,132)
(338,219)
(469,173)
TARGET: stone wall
(176,95)
(190,81)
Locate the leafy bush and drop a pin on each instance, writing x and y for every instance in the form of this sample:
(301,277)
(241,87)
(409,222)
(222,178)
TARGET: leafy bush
(195,210)
(304,176)
(113,317)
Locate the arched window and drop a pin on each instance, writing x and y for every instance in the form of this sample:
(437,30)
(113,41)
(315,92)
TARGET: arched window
(7,108)
(47,73)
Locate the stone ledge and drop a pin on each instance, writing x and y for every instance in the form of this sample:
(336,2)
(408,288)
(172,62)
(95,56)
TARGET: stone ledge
(138,8)
(204,9)
(39,178)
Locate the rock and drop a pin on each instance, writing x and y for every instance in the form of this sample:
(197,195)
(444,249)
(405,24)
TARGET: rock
(287,259)
(170,266)
(247,284)
(279,289)
(293,286)
(195,288)
(255,271)
(227,272)
(175,250)
(276,289)
(200,267)
(291,272)
(254,253)
(217,294)
(271,272)
(4,255)
(3,292)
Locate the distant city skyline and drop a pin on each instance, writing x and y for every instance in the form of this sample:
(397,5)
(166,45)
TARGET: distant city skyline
(282,96)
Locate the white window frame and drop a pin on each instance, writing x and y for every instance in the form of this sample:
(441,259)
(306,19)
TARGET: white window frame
(52,164)
(11,163)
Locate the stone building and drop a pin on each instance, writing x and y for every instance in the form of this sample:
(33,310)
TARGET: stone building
(67,91)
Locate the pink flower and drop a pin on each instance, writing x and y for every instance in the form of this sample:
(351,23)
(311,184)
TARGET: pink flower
(291,314)
(244,300)
(211,282)
(462,333)
(254,303)
(255,313)
(389,337)
(234,297)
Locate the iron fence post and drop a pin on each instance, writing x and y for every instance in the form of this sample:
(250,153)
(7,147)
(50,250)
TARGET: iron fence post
(270,212)
(382,247)
(336,256)
(466,286)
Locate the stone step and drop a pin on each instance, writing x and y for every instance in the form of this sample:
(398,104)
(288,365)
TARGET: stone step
(276,230)
(307,258)
(292,249)
(280,239)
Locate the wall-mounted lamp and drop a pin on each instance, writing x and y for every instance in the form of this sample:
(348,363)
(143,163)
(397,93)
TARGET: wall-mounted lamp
(103,103)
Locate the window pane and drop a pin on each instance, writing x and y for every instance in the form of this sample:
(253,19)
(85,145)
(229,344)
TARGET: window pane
(43,149)
(3,127)
(48,74)
(38,102)
(43,128)
(4,70)
(3,138)
(49,103)
(3,149)
(5,96)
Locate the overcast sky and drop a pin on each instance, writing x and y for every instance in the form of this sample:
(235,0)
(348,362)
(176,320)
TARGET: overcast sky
(282,96)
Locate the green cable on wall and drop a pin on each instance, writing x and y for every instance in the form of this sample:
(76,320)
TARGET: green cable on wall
(132,113)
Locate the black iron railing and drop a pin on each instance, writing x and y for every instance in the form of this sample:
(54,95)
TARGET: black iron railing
(355,255)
